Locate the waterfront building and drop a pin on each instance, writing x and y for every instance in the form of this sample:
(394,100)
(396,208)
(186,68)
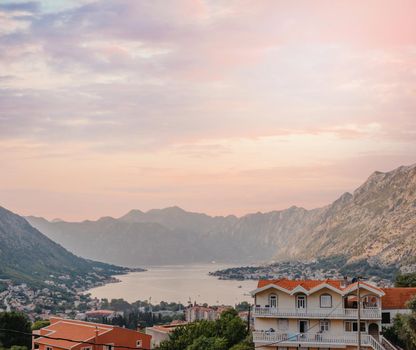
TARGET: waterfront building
(195,313)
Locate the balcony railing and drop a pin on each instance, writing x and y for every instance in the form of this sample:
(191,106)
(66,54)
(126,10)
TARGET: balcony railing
(369,314)
(318,339)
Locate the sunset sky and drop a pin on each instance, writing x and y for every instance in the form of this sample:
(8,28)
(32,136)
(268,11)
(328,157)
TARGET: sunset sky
(222,107)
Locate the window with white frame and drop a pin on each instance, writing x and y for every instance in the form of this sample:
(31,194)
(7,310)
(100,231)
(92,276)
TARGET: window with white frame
(283,324)
(326,300)
(108,347)
(324,325)
(138,343)
(301,301)
(352,326)
(273,300)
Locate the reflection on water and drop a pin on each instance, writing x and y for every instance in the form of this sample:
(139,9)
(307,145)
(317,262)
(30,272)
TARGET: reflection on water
(178,284)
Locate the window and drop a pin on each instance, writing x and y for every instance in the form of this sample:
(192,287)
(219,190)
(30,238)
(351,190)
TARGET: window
(326,300)
(303,326)
(324,325)
(385,317)
(351,326)
(301,301)
(49,348)
(273,300)
(138,343)
(108,347)
(283,324)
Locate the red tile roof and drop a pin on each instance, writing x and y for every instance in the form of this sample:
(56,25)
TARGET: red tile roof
(71,329)
(310,284)
(292,284)
(396,298)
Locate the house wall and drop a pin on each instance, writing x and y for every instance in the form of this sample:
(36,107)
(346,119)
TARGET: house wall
(157,336)
(286,301)
(125,337)
(394,313)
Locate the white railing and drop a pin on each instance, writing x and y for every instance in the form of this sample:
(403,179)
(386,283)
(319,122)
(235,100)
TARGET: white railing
(388,345)
(319,313)
(315,338)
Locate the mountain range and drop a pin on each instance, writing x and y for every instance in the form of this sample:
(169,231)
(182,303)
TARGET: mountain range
(26,255)
(376,222)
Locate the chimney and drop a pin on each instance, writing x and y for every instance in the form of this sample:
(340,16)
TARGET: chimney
(344,282)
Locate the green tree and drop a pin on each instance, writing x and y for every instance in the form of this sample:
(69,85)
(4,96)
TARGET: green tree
(403,331)
(18,322)
(406,280)
(243,346)
(243,306)
(224,333)
(208,343)
(120,305)
(40,324)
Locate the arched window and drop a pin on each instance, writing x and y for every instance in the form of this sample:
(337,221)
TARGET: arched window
(273,300)
(326,300)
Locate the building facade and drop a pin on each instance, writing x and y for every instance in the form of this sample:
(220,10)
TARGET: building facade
(317,314)
(78,335)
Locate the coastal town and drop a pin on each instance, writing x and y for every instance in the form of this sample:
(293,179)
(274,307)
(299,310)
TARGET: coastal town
(285,313)
(321,268)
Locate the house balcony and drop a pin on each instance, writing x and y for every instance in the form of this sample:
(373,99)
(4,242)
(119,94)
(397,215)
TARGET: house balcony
(320,340)
(338,313)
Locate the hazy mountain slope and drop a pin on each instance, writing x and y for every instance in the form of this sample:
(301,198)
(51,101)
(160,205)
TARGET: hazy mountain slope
(377,221)
(27,255)
(178,219)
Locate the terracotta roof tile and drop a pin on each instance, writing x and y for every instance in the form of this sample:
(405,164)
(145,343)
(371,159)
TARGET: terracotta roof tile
(292,284)
(70,329)
(310,284)
(396,298)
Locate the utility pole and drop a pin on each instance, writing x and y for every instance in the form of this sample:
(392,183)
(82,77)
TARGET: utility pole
(95,338)
(248,319)
(359,313)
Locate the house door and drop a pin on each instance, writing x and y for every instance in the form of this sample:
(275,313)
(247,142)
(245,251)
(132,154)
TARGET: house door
(301,302)
(303,326)
(373,330)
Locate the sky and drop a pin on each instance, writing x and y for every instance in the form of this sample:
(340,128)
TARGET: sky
(222,107)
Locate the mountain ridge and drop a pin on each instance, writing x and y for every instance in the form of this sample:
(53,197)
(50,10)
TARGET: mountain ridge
(373,222)
(26,255)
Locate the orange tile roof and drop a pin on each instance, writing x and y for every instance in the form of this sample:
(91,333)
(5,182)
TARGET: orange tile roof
(71,329)
(396,298)
(292,284)
(310,284)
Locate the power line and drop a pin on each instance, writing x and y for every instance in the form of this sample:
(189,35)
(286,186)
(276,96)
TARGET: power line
(69,340)
(307,330)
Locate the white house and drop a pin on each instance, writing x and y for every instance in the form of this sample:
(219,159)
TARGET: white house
(317,314)
(394,302)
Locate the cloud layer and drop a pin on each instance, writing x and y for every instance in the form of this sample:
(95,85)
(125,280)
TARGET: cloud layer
(223,107)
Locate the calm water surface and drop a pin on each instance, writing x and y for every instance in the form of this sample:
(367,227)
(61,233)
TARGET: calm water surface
(178,284)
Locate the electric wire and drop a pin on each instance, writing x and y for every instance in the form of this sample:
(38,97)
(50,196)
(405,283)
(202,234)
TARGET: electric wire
(69,340)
